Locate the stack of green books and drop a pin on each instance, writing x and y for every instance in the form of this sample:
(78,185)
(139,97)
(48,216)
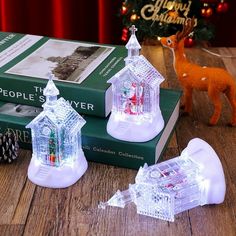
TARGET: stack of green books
(82,70)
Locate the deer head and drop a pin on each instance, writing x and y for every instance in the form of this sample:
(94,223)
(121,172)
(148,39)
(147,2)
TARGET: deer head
(173,40)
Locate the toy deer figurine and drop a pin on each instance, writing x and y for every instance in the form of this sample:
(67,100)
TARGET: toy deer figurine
(192,76)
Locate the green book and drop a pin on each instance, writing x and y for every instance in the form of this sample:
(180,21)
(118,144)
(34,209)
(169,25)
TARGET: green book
(98,146)
(81,71)
(14,118)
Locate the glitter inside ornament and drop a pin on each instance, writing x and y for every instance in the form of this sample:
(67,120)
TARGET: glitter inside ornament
(195,178)
(136,114)
(58,160)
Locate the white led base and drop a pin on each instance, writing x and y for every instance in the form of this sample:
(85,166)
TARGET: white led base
(133,131)
(57,177)
(213,187)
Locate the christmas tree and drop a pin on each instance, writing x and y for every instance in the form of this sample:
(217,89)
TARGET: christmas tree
(52,148)
(158,18)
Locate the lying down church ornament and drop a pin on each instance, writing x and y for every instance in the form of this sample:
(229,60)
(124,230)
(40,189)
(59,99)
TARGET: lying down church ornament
(195,178)
(58,160)
(136,114)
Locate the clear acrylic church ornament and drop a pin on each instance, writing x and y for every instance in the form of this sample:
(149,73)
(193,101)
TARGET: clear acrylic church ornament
(136,114)
(58,160)
(195,178)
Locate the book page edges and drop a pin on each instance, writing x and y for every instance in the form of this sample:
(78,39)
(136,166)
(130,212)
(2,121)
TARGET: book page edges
(167,131)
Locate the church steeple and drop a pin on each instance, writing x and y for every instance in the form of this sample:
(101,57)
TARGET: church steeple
(50,92)
(132,46)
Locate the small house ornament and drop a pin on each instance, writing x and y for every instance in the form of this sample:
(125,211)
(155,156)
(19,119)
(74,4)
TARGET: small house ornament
(58,160)
(195,178)
(136,114)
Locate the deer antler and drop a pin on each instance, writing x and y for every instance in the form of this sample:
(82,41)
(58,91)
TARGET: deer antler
(187,29)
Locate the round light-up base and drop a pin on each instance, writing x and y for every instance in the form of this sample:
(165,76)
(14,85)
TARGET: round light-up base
(57,177)
(134,131)
(213,181)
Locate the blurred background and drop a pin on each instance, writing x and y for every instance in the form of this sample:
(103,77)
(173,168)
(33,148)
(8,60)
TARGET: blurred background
(107,21)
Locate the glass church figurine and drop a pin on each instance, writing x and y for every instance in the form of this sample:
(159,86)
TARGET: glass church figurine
(58,160)
(195,178)
(136,114)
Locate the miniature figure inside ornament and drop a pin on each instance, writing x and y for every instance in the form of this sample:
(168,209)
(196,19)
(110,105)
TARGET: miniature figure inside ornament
(195,178)
(58,160)
(136,114)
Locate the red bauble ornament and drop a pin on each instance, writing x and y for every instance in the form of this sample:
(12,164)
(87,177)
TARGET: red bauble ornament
(226,6)
(188,42)
(222,7)
(219,8)
(125,33)
(123,10)
(209,12)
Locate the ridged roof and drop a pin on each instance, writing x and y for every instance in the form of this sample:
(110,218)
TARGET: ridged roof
(142,70)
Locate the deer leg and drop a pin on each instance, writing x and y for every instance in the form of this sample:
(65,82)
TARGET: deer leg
(214,95)
(187,100)
(231,95)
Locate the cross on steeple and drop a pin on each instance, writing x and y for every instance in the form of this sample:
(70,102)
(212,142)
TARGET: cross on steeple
(133,29)
(132,46)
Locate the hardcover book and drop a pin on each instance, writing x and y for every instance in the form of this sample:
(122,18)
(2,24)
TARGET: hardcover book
(81,69)
(98,146)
